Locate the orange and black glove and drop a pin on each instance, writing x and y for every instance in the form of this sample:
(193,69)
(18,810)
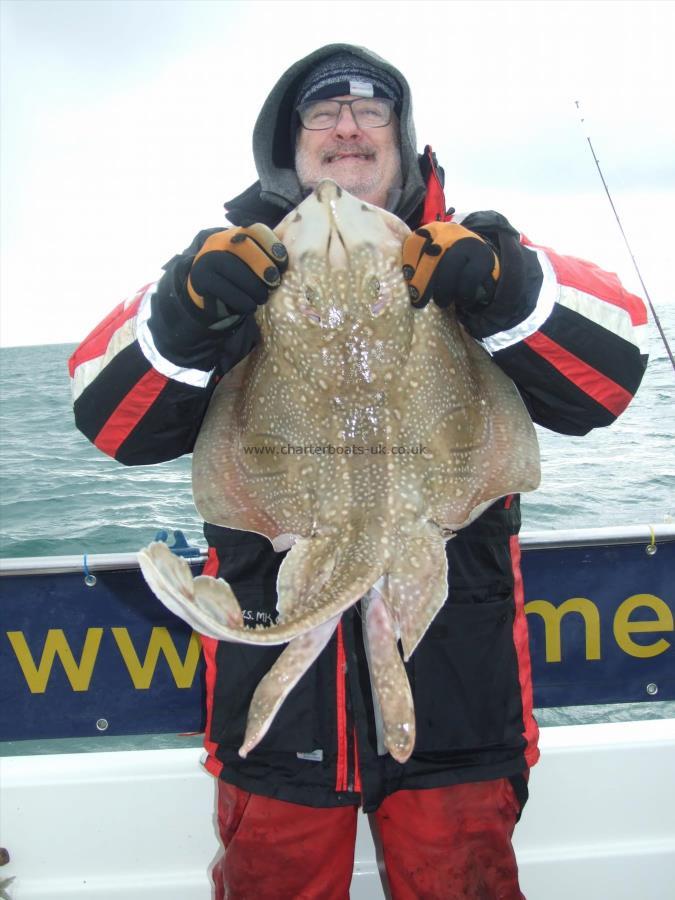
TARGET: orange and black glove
(448,263)
(234,272)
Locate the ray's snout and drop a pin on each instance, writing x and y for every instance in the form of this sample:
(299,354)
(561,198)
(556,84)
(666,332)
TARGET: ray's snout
(327,190)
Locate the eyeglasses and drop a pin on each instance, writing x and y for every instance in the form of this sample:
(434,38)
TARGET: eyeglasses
(320,115)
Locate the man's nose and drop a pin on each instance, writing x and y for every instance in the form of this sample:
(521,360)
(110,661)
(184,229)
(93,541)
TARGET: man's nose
(346,125)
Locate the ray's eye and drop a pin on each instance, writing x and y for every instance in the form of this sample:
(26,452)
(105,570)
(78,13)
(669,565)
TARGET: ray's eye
(374,293)
(307,309)
(311,314)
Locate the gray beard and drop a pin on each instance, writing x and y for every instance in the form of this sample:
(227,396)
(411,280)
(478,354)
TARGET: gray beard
(358,187)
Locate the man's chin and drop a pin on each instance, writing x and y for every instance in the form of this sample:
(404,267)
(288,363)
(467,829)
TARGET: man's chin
(358,184)
(350,167)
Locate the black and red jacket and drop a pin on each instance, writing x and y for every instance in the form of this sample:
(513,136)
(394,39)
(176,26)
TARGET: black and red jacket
(567,334)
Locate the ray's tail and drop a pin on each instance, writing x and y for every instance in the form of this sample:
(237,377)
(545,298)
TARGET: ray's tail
(318,580)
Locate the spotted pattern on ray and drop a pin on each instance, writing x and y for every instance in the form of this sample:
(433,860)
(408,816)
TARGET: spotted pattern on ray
(408,431)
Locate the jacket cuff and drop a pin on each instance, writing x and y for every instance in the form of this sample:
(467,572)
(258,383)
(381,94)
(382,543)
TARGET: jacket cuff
(177,332)
(519,283)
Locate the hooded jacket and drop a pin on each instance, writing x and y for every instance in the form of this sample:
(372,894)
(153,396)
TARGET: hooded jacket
(278,188)
(568,335)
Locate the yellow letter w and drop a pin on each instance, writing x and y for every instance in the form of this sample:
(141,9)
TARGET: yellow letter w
(142,673)
(37,677)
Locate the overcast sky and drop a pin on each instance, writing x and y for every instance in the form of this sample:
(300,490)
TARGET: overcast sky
(127,124)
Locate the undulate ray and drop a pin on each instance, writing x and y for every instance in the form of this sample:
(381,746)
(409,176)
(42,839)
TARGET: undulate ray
(363,434)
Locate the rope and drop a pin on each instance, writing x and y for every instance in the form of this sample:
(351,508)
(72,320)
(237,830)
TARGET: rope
(89,579)
(628,246)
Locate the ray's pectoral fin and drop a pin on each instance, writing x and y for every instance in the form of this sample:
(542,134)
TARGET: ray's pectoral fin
(286,672)
(417,587)
(389,679)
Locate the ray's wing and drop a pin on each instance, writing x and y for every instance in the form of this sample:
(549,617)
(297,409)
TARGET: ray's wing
(479,440)
(504,456)
(246,471)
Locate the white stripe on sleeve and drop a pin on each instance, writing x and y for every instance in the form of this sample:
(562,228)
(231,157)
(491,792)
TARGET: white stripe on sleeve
(87,371)
(608,315)
(548,297)
(194,377)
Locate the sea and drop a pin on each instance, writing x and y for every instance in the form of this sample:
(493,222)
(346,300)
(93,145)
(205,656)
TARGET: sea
(60,496)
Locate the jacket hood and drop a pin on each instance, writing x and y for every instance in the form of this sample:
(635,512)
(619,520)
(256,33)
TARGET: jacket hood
(274,150)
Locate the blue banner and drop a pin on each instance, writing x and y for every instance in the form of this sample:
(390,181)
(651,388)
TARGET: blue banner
(600,620)
(77,660)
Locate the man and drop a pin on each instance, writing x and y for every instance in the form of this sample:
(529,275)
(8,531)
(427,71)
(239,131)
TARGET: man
(561,329)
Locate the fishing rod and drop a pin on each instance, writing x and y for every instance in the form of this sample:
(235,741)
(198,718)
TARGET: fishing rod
(623,234)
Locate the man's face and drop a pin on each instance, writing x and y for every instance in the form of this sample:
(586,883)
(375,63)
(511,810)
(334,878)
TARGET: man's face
(364,161)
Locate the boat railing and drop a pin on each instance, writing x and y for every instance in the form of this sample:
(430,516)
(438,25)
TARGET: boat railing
(650,535)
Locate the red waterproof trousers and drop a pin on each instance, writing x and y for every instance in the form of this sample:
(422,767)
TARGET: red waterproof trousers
(438,844)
